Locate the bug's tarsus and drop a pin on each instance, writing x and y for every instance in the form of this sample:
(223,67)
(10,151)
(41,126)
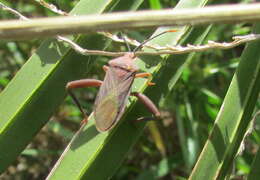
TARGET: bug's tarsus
(143,119)
(143,75)
(150,83)
(84,121)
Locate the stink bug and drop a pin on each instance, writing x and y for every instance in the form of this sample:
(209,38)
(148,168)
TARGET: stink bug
(114,91)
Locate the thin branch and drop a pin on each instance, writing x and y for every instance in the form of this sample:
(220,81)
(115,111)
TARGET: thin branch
(114,21)
(51,7)
(6,8)
(237,40)
(114,37)
(73,45)
(83,51)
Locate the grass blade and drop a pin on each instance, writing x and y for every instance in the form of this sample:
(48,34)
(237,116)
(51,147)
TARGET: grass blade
(177,64)
(104,152)
(254,173)
(233,118)
(36,91)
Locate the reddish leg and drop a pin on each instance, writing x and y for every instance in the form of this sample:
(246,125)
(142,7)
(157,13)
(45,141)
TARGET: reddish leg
(148,103)
(81,84)
(142,75)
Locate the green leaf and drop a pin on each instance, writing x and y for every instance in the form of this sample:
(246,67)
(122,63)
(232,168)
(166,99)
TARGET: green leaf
(233,118)
(188,136)
(38,88)
(212,97)
(93,155)
(155,4)
(254,173)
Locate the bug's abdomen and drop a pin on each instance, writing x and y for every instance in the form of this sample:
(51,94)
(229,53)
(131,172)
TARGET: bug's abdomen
(111,99)
(105,113)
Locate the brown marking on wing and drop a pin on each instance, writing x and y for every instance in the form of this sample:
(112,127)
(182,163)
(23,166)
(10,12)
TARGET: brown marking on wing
(112,96)
(106,113)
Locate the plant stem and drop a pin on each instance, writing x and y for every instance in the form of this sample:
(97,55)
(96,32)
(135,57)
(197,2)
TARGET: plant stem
(40,27)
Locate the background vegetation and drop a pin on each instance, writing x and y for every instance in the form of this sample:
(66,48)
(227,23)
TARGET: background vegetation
(188,113)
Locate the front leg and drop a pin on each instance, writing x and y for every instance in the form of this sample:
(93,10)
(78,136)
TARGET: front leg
(81,84)
(149,75)
(148,104)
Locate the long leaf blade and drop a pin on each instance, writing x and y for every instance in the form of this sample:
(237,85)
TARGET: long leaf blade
(35,92)
(104,152)
(233,118)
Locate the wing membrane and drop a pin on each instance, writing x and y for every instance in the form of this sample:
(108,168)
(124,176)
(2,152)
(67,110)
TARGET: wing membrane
(111,99)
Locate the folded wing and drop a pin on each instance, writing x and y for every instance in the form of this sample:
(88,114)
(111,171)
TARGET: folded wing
(112,96)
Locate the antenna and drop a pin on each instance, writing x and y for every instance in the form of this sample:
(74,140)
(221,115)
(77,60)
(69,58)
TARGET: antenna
(147,40)
(127,45)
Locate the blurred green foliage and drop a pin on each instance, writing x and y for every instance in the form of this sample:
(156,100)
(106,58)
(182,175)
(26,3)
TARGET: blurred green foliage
(193,104)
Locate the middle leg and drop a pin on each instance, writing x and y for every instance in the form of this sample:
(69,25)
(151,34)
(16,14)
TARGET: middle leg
(81,84)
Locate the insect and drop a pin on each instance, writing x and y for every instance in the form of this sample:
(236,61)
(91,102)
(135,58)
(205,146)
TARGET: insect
(114,90)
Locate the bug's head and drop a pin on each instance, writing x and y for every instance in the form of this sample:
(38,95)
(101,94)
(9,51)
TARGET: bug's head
(125,62)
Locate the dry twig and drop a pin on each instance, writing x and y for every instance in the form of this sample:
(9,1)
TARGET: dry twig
(52,7)
(159,50)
